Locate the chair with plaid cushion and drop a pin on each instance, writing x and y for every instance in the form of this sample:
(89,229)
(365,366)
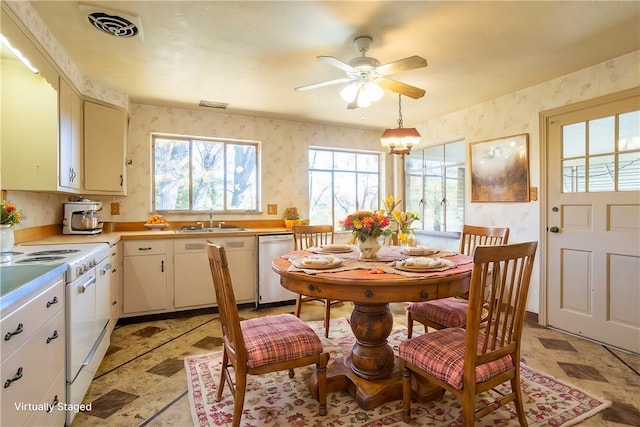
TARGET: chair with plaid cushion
(304,237)
(452,312)
(261,345)
(467,362)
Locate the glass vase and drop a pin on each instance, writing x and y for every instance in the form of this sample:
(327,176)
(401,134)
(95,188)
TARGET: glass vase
(369,248)
(6,238)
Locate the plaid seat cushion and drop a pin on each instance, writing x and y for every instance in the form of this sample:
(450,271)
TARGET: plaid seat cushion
(441,354)
(278,338)
(448,312)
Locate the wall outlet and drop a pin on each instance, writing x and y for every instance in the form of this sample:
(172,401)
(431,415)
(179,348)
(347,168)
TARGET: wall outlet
(115,208)
(272,209)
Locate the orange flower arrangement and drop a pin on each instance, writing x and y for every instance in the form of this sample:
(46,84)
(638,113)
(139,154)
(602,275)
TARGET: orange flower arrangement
(9,215)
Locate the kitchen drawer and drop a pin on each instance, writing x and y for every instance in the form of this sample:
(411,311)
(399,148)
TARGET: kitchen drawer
(145,247)
(51,398)
(39,363)
(31,316)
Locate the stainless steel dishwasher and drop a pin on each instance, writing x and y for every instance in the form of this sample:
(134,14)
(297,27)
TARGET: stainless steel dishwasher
(270,291)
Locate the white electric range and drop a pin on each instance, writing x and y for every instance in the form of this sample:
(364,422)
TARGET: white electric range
(86,306)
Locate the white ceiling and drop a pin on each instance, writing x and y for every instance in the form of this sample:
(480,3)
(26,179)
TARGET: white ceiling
(252,55)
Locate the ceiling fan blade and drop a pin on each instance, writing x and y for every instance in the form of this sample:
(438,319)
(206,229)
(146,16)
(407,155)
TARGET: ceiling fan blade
(402,88)
(406,64)
(323,84)
(336,63)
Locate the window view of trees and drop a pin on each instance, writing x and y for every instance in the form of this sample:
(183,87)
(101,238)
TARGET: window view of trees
(435,186)
(342,182)
(198,174)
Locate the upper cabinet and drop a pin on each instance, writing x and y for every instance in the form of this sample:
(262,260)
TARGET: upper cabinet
(105,136)
(70,163)
(29,119)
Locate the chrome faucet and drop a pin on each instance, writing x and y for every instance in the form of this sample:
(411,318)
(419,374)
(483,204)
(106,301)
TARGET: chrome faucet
(211,218)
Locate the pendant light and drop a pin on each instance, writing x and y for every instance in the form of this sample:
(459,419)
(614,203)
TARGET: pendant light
(400,140)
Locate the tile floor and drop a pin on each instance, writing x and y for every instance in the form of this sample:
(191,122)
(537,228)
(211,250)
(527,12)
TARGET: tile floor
(142,382)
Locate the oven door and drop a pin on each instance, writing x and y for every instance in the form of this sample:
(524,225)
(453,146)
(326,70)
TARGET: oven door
(82,332)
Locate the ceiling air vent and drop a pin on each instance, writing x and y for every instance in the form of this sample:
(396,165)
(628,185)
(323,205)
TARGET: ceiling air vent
(113,23)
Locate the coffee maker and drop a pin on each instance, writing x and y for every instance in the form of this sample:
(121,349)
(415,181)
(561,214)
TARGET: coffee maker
(81,217)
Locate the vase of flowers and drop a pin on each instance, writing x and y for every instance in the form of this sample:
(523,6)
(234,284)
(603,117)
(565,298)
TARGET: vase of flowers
(404,221)
(366,229)
(9,216)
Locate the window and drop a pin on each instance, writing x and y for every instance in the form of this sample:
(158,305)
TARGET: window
(195,174)
(602,154)
(435,187)
(341,182)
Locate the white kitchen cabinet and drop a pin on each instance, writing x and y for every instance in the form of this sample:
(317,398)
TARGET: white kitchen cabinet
(192,282)
(105,145)
(29,119)
(145,277)
(70,107)
(115,284)
(33,357)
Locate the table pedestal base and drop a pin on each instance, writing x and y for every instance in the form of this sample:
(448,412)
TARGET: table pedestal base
(370,394)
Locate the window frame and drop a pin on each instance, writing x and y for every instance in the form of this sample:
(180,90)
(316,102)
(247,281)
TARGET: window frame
(381,178)
(443,177)
(225,141)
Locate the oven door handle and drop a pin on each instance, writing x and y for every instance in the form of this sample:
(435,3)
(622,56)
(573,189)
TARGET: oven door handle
(82,288)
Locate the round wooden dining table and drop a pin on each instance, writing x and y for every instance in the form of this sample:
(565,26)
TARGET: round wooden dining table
(369,372)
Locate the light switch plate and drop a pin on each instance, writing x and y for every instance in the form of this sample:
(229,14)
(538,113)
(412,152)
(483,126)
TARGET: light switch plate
(272,209)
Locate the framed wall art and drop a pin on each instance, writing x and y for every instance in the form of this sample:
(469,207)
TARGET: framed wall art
(500,169)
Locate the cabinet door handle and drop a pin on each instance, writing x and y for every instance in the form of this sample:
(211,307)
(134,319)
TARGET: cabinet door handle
(53,301)
(53,404)
(106,269)
(18,330)
(162,266)
(16,377)
(144,249)
(52,337)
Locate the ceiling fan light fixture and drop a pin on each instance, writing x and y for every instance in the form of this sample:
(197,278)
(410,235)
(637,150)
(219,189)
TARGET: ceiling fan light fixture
(400,140)
(365,92)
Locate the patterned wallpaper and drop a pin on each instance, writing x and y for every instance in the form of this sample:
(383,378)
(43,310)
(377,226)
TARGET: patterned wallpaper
(284,143)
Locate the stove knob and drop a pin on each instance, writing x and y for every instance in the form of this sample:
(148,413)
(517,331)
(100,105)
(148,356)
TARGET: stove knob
(78,270)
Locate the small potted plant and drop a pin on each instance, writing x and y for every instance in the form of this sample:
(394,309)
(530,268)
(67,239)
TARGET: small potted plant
(291,217)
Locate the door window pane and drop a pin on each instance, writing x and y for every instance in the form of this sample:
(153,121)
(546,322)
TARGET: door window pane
(603,165)
(602,135)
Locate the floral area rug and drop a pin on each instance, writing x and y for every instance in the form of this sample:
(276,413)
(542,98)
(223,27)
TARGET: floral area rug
(277,400)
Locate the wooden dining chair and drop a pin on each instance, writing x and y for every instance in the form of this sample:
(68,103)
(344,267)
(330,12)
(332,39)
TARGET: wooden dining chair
(261,345)
(452,312)
(467,362)
(304,237)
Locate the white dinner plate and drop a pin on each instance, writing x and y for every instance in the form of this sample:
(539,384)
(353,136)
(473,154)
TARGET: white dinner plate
(334,249)
(419,251)
(313,264)
(438,265)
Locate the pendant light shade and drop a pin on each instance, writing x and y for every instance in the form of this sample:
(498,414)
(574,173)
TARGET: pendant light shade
(400,140)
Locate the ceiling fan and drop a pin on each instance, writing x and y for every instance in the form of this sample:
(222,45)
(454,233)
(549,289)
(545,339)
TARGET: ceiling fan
(368,77)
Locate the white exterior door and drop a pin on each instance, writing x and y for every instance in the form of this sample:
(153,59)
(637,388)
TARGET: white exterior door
(593,222)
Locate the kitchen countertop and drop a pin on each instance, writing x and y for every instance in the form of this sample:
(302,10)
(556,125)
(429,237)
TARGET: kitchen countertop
(19,282)
(114,237)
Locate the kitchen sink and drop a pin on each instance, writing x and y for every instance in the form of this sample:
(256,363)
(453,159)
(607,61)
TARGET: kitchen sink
(210,230)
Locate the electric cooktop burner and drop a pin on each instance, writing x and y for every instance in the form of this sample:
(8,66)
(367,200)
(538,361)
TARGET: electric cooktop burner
(10,253)
(39,259)
(54,252)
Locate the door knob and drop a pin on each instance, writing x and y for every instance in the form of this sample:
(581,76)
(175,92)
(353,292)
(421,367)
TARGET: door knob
(554,229)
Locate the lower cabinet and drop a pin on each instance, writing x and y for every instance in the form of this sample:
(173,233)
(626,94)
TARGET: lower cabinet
(115,281)
(145,276)
(173,274)
(33,360)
